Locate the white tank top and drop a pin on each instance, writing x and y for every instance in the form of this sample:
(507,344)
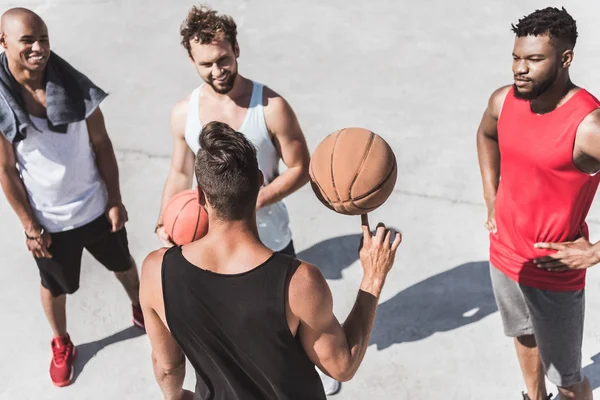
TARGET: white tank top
(60,175)
(272,220)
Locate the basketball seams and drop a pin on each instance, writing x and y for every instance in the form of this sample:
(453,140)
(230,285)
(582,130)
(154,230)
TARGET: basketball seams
(362,196)
(178,214)
(197,223)
(361,164)
(316,182)
(335,191)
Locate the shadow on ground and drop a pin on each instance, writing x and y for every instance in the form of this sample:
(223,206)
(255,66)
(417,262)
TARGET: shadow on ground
(446,301)
(333,255)
(441,303)
(592,372)
(86,351)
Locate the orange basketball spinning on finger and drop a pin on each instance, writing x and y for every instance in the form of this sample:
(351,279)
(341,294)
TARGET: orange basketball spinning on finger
(183,218)
(353,171)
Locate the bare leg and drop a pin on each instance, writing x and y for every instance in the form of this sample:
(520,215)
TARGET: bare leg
(531,367)
(131,282)
(56,311)
(580,391)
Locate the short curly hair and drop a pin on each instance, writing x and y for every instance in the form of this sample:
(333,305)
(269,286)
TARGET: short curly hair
(557,24)
(204,25)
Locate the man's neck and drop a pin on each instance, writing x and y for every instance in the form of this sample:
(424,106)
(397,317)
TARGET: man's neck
(33,80)
(554,97)
(242,227)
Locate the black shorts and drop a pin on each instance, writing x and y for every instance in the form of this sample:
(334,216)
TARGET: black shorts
(60,274)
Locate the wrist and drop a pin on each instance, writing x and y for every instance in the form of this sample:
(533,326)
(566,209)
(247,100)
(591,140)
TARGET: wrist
(35,235)
(595,254)
(372,284)
(32,229)
(114,201)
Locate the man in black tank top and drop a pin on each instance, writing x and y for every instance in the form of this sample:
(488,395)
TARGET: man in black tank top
(252,322)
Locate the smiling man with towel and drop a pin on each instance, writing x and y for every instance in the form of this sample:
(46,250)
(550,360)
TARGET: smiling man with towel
(59,173)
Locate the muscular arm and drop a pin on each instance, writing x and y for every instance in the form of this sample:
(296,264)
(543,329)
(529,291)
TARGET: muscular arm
(105,156)
(181,171)
(587,143)
(487,146)
(14,189)
(337,350)
(167,358)
(291,145)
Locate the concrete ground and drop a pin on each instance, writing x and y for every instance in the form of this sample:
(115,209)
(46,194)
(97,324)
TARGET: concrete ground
(417,73)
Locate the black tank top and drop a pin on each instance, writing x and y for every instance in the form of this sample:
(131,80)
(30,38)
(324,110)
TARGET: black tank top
(234,331)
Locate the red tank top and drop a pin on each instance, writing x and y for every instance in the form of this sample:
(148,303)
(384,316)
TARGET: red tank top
(542,196)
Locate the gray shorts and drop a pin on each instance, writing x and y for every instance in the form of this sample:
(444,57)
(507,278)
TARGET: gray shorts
(555,318)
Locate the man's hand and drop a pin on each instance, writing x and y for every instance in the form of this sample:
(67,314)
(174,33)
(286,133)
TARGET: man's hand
(163,236)
(39,243)
(117,215)
(377,253)
(579,254)
(490,223)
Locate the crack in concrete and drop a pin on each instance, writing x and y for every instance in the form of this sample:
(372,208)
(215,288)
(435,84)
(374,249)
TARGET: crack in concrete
(438,197)
(146,154)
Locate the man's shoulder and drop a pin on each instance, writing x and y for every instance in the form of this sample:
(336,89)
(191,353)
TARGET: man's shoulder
(306,279)
(590,125)
(496,100)
(152,266)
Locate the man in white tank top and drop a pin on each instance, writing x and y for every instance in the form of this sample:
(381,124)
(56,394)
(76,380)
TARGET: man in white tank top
(63,186)
(263,116)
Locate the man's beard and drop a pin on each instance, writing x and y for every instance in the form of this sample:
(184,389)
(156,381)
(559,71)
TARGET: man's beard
(227,86)
(537,90)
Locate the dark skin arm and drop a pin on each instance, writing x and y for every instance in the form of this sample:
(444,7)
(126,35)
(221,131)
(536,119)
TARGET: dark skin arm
(579,254)
(108,168)
(291,146)
(489,153)
(15,192)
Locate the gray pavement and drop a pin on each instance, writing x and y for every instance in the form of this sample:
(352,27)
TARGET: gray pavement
(417,73)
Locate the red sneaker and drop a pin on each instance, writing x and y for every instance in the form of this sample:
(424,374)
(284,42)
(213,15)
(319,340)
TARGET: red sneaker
(138,317)
(61,367)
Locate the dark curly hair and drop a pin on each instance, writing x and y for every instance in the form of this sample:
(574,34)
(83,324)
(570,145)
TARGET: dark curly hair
(558,24)
(204,25)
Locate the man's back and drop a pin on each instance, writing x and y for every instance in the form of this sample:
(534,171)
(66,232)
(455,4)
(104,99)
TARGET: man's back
(234,330)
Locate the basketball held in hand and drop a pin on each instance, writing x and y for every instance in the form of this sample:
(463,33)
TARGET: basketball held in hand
(353,171)
(183,218)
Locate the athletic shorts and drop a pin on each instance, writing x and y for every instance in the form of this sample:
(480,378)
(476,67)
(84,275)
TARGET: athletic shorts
(554,318)
(60,274)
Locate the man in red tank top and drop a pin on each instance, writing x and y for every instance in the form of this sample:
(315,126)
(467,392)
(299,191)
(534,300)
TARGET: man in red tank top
(539,149)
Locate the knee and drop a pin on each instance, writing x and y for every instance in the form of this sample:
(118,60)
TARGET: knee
(577,390)
(131,268)
(527,341)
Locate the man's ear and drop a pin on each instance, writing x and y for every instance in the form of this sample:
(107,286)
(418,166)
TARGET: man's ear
(236,49)
(201,197)
(261,179)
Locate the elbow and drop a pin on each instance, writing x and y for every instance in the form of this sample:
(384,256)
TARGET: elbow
(304,174)
(343,376)
(343,373)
